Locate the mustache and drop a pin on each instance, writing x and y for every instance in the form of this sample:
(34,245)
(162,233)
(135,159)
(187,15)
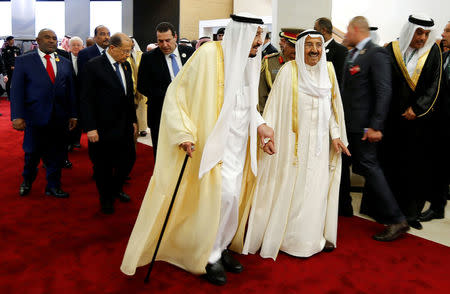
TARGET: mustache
(313,54)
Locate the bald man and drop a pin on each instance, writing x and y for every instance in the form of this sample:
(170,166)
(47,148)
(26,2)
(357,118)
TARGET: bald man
(43,106)
(109,117)
(366,95)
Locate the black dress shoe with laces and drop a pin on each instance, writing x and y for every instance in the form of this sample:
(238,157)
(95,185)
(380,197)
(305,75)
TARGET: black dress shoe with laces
(415,223)
(56,192)
(215,273)
(67,164)
(430,215)
(76,145)
(230,263)
(328,246)
(392,232)
(123,197)
(25,188)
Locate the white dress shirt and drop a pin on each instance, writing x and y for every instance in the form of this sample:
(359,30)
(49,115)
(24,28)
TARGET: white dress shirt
(44,61)
(169,61)
(100,48)
(122,74)
(74,63)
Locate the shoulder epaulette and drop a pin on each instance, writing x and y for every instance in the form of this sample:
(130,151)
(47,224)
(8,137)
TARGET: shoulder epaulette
(271,54)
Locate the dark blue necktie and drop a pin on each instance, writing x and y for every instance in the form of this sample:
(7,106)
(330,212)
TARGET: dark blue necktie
(116,65)
(175,68)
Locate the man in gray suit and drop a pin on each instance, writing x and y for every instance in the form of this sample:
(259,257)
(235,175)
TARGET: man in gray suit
(366,95)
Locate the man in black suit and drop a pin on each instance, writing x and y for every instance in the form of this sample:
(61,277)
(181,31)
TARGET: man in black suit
(75,46)
(336,53)
(101,38)
(157,70)
(366,93)
(43,105)
(268,48)
(109,117)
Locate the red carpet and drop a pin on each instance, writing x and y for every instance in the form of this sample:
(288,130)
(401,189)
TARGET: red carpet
(50,245)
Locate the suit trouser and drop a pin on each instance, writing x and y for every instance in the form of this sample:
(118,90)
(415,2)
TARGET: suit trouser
(345,200)
(153,122)
(113,161)
(46,143)
(8,83)
(365,162)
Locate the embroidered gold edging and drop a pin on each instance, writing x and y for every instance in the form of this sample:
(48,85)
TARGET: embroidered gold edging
(220,77)
(438,86)
(268,75)
(295,108)
(332,77)
(412,81)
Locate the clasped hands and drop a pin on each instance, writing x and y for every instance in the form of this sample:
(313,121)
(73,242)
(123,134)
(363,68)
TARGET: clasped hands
(265,135)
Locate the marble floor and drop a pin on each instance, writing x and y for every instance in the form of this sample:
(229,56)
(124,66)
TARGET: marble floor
(435,230)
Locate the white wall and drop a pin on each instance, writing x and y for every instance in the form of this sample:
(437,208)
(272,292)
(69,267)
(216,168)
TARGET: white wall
(256,7)
(389,15)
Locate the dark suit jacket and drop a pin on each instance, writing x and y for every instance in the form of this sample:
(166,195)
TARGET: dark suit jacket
(35,98)
(85,55)
(63,53)
(154,78)
(104,105)
(443,102)
(269,50)
(367,89)
(337,54)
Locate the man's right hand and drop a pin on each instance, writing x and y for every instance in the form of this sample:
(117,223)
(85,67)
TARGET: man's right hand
(5,79)
(92,136)
(188,147)
(372,135)
(19,124)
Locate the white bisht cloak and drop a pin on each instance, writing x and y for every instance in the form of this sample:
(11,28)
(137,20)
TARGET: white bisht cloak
(274,188)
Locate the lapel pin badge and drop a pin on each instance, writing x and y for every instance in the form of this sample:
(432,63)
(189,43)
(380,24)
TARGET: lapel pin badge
(363,51)
(183,55)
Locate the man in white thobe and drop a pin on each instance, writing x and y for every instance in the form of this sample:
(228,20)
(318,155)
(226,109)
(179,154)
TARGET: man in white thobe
(210,105)
(295,198)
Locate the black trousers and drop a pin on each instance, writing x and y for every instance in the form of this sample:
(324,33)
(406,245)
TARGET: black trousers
(113,161)
(46,143)
(365,162)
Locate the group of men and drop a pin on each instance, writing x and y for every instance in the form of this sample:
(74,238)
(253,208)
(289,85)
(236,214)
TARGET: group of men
(318,118)
(314,109)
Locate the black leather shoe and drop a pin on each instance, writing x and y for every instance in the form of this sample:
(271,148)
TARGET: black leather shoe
(70,148)
(56,192)
(25,188)
(107,209)
(230,263)
(123,197)
(76,145)
(430,215)
(67,164)
(328,246)
(215,273)
(142,133)
(415,224)
(392,232)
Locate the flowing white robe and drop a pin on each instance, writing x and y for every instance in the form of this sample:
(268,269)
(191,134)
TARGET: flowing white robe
(295,200)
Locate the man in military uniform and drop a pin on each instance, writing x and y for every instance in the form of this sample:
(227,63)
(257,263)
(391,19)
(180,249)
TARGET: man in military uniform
(9,53)
(272,63)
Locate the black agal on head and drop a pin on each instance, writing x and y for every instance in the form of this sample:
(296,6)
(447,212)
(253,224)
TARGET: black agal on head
(305,33)
(421,22)
(239,18)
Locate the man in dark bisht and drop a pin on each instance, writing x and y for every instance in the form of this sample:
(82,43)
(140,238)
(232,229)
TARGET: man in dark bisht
(409,143)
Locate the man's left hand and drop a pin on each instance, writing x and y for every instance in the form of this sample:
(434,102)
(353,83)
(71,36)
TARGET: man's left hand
(135,128)
(339,146)
(266,137)
(72,123)
(409,114)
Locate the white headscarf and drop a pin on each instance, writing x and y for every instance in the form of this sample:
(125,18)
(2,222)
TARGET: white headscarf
(238,66)
(374,36)
(406,36)
(317,87)
(135,49)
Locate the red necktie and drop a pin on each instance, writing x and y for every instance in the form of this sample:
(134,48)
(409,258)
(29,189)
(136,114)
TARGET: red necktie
(50,70)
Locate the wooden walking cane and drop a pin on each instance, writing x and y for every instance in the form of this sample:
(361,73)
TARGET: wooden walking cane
(166,220)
